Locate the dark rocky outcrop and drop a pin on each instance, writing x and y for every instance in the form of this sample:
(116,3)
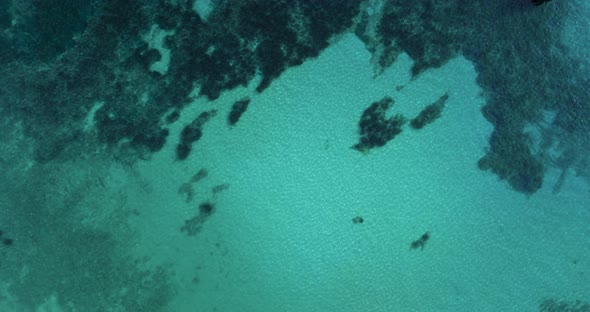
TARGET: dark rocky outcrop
(539,2)
(420,242)
(237,109)
(430,113)
(375,130)
(191,133)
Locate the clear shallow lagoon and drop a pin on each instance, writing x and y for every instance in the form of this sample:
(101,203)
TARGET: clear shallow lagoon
(278,212)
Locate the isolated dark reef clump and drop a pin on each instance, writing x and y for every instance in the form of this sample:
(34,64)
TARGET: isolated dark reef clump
(237,109)
(555,305)
(430,113)
(375,129)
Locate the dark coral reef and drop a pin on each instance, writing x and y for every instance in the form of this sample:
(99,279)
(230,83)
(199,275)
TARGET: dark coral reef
(554,305)
(95,55)
(523,67)
(430,113)
(375,129)
(237,109)
(57,67)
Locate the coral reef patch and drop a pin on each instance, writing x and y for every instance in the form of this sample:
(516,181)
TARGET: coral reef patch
(375,129)
(430,113)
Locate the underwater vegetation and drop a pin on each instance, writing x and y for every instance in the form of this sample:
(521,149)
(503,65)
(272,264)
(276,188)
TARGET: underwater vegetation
(375,130)
(52,77)
(553,305)
(186,189)
(56,67)
(85,266)
(430,113)
(6,241)
(191,133)
(420,242)
(514,162)
(237,109)
(206,208)
(194,225)
(78,77)
(539,2)
(507,41)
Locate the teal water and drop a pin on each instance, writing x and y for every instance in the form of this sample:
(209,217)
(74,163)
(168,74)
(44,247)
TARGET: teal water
(278,212)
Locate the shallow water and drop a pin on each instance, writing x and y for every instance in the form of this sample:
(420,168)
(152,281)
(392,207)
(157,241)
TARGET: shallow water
(127,190)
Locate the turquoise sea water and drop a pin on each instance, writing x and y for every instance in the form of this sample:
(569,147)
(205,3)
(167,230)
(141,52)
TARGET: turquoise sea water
(279,212)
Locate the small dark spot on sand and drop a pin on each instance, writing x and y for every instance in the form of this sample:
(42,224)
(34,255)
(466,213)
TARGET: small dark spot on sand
(421,242)
(206,208)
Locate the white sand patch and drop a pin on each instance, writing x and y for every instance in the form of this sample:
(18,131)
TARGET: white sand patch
(282,237)
(155,39)
(89,122)
(203,8)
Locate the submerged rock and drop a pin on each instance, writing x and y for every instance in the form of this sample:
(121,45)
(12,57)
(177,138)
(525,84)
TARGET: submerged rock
(539,2)
(191,133)
(194,225)
(376,130)
(421,242)
(237,109)
(430,113)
